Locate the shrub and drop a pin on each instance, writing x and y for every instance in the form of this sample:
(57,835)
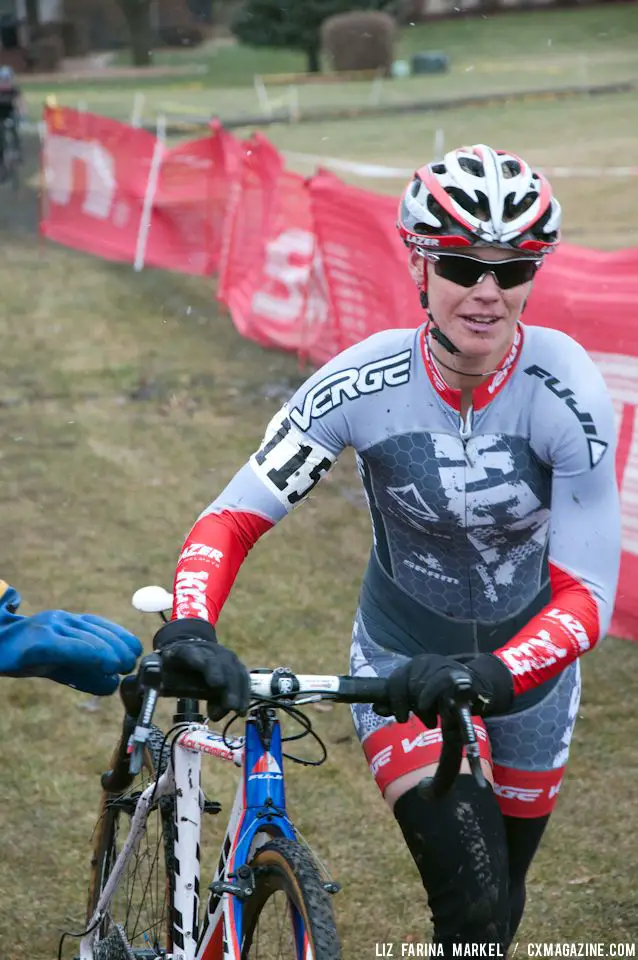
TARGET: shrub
(295,24)
(360,40)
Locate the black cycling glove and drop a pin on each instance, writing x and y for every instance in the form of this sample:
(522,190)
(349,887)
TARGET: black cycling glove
(194,660)
(426,684)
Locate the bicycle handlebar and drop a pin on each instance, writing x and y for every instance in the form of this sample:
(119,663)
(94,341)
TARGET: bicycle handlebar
(283,684)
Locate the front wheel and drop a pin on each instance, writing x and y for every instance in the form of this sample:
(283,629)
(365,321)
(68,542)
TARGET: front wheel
(289,914)
(137,924)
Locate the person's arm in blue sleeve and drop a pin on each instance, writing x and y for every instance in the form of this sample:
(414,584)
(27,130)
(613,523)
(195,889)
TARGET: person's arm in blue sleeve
(79,650)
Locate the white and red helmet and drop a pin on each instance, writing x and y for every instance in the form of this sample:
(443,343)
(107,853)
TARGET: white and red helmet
(479,195)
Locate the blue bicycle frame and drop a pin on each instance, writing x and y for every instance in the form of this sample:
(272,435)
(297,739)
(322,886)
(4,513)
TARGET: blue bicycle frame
(258,815)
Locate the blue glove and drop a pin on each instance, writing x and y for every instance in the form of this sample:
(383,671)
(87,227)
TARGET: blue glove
(79,650)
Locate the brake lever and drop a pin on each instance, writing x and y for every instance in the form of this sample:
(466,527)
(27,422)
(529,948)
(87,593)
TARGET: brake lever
(458,733)
(150,679)
(471,744)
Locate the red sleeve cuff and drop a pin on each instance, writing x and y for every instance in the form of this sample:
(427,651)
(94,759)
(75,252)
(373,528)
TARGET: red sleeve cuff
(555,637)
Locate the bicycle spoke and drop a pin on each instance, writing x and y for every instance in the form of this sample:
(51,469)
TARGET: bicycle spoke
(275,927)
(154,861)
(139,906)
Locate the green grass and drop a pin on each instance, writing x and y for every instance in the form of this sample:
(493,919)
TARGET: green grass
(546,34)
(226,65)
(531,50)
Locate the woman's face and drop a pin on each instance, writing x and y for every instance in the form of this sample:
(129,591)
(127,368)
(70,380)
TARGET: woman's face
(479,320)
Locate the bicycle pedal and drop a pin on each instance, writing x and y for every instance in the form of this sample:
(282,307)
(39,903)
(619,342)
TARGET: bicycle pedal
(212,806)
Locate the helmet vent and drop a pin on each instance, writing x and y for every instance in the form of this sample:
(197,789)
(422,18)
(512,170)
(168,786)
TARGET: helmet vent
(479,208)
(511,210)
(510,168)
(539,227)
(470,165)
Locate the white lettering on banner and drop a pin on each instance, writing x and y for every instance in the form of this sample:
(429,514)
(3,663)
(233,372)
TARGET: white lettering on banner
(60,153)
(317,301)
(356,316)
(621,376)
(286,307)
(535,654)
(190,593)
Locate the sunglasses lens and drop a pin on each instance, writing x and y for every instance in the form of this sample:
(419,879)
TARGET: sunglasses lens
(514,272)
(466,271)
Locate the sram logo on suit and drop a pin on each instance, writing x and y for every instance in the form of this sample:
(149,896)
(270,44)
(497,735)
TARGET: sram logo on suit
(288,463)
(351,383)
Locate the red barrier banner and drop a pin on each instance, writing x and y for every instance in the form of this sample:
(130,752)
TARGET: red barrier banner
(247,224)
(227,153)
(181,234)
(364,263)
(96,173)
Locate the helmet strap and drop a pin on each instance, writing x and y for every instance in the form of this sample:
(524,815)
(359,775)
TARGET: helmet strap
(437,333)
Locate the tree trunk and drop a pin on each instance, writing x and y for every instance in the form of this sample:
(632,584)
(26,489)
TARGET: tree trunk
(314,64)
(33,15)
(138,19)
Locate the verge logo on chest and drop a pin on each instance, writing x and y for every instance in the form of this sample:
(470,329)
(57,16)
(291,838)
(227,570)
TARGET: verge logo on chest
(351,383)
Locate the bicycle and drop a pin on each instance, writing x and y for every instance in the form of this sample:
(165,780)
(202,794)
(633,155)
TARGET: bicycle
(261,855)
(10,153)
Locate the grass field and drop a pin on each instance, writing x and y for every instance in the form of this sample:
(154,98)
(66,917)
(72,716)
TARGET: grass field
(127,402)
(579,133)
(534,50)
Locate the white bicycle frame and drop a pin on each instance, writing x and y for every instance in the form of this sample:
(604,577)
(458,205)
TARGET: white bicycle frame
(182,781)
(217,939)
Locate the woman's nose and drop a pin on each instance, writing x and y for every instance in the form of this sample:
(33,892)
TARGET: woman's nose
(487,288)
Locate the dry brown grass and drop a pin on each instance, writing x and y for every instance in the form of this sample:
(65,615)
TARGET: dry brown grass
(127,402)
